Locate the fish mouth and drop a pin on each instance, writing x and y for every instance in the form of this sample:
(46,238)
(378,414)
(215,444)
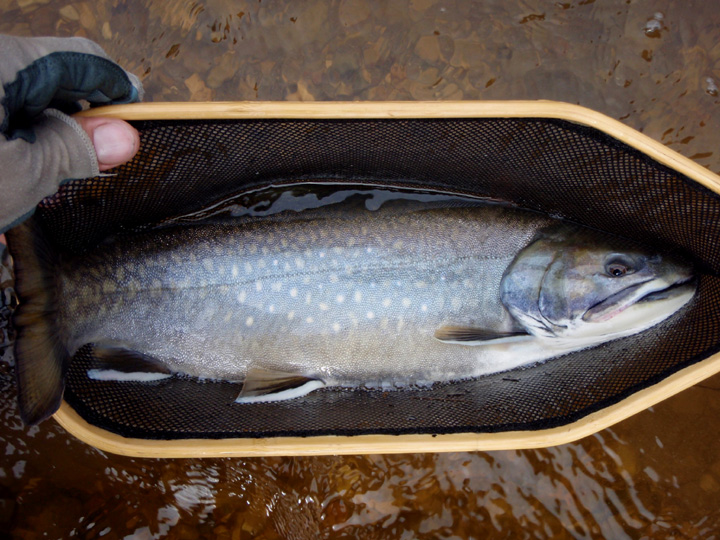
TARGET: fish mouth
(639,294)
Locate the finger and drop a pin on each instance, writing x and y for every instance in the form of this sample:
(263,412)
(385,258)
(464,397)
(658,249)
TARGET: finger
(115,140)
(33,171)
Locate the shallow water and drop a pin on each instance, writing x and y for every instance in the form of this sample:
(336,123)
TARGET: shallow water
(655,65)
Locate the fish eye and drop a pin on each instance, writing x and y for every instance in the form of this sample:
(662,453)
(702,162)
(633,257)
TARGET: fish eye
(618,268)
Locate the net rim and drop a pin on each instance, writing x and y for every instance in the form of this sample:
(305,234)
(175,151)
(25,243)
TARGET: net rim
(380,443)
(399,110)
(107,441)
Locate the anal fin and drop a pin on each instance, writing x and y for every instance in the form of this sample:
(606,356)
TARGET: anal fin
(262,385)
(122,364)
(468,335)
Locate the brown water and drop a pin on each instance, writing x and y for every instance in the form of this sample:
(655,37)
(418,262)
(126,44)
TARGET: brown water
(654,64)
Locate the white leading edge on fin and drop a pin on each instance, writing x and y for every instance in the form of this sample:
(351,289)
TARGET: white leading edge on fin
(290,393)
(115,375)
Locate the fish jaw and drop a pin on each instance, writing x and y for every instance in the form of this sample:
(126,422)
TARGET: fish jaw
(653,292)
(637,313)
(637,310)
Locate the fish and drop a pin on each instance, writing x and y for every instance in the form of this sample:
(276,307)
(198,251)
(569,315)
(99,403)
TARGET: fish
(299,302)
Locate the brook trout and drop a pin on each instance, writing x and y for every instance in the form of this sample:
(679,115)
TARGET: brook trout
(375,299)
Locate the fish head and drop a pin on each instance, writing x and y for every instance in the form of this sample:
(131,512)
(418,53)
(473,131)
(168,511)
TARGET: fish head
(578,284)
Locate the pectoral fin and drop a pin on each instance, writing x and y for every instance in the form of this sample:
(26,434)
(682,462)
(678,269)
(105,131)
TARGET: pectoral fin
(121,364)
(262,385)
(468,335)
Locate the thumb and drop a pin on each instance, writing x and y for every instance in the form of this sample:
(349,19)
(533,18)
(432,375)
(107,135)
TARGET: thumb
(115,140)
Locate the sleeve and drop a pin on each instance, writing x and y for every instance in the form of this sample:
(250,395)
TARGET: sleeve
(42,80)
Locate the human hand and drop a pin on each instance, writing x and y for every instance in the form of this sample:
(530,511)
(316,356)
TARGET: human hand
(41,82)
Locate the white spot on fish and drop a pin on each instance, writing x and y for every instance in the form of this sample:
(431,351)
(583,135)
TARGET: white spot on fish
(252,248)
(456,303)
(370,315)
(249,321)
(258,286)
(291,315)
(420,284)
(358,296)
(235,271)
(276,286)
(242,296)
(323,306)
(386,302)
(398,244)
(423,307)
(299,263)
(308,298)
(108,287)
(207,264)
(340,298)
(306,280)
(275,262)
(309,320)
(334,278)
(228,316)
(248,268)
(369,250)
(293,292)
(336,327)
(321,254)
(406,302)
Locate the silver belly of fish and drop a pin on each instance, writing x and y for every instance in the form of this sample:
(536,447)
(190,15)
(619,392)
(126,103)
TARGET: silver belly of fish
(351,301)
(292,302)
(373,299)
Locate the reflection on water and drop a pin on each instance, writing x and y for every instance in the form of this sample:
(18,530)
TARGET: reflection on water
(654,64)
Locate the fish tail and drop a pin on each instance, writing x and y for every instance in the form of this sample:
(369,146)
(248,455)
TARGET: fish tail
(41,358)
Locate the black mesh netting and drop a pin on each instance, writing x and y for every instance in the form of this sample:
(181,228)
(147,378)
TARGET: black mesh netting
(549,165)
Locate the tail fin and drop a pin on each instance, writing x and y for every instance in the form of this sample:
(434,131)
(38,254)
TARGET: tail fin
(41,359)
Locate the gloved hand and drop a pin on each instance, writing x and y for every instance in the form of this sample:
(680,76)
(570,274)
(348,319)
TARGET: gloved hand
(41,82)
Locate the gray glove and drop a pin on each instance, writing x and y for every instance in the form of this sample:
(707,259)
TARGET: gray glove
(41,82)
